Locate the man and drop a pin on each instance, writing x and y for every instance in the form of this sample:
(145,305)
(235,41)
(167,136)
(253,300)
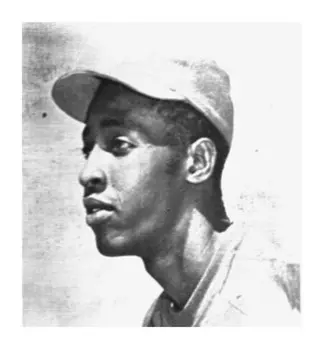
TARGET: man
(156,139)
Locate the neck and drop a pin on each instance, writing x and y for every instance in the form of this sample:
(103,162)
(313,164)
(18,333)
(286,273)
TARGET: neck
(182,256)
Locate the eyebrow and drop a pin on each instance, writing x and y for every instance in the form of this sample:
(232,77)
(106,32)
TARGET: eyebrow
(121,122)
(106,123)
(110,122)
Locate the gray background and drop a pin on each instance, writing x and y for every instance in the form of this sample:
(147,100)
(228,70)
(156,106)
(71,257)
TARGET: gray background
(65,281)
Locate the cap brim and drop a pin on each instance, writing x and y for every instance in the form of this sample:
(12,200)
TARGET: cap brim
(74,91)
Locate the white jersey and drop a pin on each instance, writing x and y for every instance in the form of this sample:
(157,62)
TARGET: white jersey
(238,288)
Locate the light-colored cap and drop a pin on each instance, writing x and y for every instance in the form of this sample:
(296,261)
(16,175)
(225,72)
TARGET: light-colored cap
(201,83)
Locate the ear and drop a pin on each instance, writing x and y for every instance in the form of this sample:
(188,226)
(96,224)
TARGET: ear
(201,160)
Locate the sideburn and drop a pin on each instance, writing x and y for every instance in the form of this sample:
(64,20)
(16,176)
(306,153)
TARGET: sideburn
(173,164)
(177,142)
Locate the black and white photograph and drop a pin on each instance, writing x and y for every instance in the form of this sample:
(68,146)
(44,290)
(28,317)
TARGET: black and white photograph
(161,174)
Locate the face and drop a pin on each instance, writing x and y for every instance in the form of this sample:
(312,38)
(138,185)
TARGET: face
(133,180)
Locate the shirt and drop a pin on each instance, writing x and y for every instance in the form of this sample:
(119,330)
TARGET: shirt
(240,287)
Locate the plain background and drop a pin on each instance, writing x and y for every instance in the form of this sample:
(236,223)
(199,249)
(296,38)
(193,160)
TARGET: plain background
(66,281)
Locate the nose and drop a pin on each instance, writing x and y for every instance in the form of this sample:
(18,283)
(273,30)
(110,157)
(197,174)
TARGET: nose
(92,177)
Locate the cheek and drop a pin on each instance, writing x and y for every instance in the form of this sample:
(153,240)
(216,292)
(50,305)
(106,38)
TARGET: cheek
(145,172)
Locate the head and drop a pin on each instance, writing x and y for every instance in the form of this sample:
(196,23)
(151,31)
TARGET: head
(148,163)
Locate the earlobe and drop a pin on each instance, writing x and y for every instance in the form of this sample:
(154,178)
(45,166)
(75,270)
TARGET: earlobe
(201,160)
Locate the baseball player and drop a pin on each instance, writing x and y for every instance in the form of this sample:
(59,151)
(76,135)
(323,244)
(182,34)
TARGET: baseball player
(156,138)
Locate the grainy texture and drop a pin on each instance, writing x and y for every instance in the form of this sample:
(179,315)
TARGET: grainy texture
(65,281)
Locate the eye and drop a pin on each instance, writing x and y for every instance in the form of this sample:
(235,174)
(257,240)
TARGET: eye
(121,146)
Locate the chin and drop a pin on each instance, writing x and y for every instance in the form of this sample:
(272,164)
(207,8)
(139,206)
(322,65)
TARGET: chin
(116,247)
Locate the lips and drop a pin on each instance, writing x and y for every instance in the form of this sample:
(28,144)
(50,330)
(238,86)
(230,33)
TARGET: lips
(97,211)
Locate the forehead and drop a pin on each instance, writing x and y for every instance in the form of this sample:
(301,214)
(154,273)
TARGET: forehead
(116,105)
(116,101)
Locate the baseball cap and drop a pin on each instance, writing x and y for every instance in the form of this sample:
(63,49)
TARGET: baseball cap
(200,83)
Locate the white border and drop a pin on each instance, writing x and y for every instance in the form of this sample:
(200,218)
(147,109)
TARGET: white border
(308,13)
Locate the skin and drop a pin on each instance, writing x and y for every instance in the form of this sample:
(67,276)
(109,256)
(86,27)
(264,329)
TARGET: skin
(158,197)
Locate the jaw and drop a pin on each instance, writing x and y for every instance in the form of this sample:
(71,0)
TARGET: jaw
(115,247)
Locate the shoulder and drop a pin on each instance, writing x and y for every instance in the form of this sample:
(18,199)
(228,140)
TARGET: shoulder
(263,284)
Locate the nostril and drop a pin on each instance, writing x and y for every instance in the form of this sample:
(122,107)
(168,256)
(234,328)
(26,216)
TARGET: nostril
(96,184)
(95,181)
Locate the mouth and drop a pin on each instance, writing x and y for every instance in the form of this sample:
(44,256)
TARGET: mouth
(95,209)
(98,211)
